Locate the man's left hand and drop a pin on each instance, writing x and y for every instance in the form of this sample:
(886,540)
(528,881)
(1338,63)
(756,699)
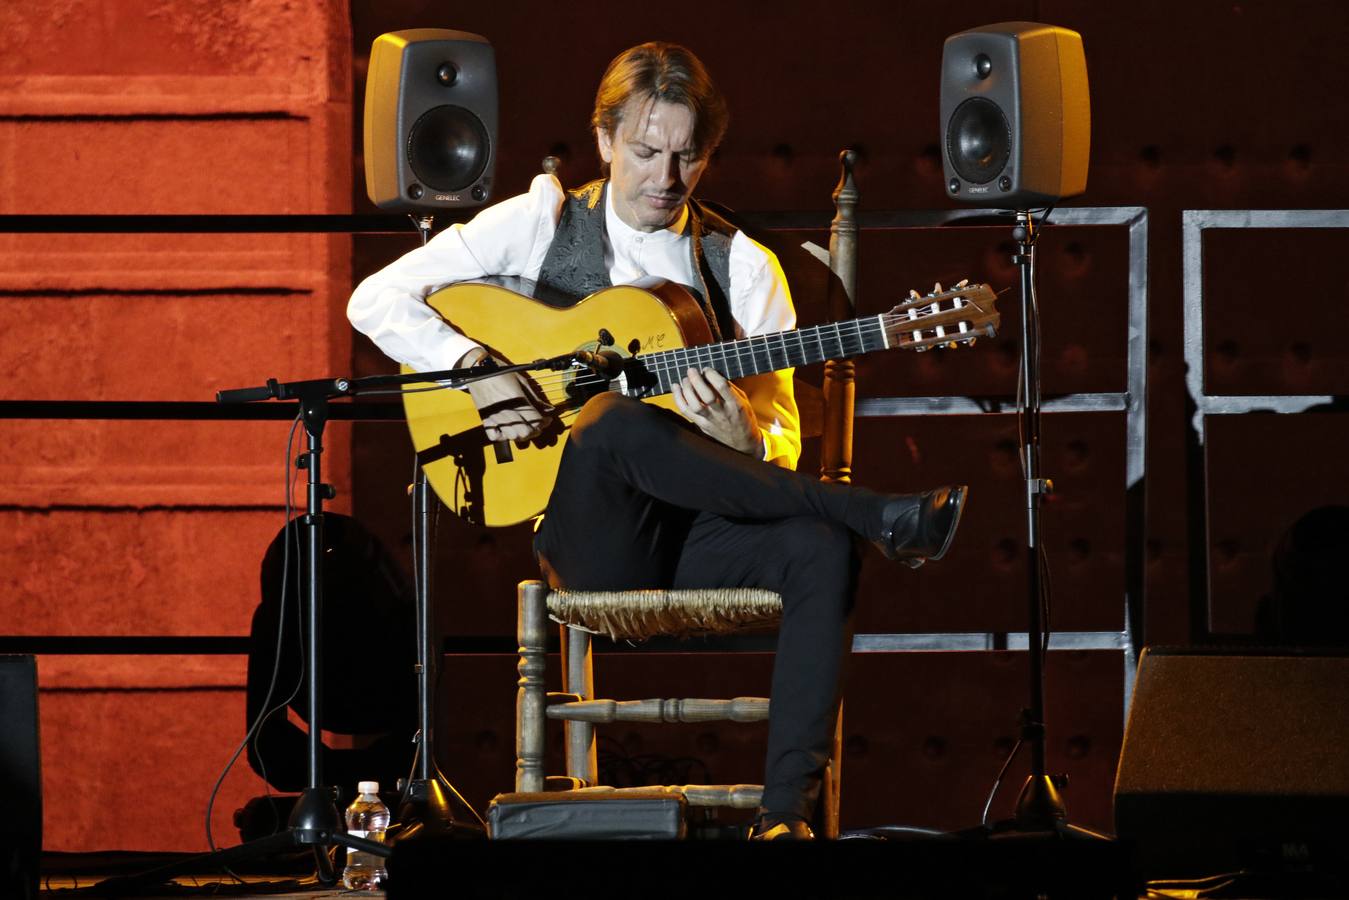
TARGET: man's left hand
(720,409)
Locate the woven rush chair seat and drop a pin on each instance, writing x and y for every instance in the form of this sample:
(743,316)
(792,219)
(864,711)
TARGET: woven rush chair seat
(640,615)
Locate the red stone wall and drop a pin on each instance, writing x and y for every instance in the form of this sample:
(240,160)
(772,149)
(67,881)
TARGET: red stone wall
(157,528)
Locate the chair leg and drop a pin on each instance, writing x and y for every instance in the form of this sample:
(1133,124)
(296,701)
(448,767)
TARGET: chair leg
(578,668)
(531,697)
(833,780)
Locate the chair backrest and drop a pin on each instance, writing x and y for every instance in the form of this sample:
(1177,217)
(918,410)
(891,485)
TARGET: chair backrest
(840,374)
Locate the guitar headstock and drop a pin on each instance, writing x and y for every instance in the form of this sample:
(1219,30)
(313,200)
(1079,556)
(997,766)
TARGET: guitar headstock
(957,316)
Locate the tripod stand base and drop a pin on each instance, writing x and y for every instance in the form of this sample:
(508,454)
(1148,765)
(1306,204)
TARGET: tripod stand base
(427,811)
(315,816)
(1040,815)
(1010,830)
(1039,806)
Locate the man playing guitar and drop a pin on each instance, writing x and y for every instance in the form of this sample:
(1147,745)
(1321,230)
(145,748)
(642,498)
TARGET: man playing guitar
(644,498)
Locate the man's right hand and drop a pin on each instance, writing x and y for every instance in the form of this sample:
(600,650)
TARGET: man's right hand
(511,407)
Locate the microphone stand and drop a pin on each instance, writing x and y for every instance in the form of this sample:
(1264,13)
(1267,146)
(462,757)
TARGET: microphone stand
(315,819)
(314,822)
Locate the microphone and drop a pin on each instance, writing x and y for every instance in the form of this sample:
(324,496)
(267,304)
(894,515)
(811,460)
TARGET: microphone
(605,363)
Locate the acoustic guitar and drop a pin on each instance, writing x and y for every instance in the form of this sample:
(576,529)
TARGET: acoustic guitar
(640,340)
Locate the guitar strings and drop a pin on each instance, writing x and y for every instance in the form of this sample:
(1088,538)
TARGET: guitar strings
(850,344)
(851,341)
(851,337)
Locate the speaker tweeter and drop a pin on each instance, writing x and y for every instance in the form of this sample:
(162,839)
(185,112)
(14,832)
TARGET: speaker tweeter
(430,119)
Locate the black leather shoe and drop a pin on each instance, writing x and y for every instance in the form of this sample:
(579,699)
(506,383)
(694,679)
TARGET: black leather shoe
(771,828)
(919,527)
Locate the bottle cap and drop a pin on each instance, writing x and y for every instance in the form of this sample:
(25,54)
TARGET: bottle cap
(368,787)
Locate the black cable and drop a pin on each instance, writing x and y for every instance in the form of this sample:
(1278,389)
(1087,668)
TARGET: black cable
(997,783)
(290,534)
(276,664)
(1042,556)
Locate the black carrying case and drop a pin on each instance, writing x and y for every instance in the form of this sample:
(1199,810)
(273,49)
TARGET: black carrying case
(637,816)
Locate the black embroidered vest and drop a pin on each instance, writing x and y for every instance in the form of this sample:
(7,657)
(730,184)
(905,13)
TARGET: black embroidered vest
(575,265)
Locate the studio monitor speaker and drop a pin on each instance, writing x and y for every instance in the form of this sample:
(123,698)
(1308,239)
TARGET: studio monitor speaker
(20,778)
(1015,115)
(430,119)
(1236,760)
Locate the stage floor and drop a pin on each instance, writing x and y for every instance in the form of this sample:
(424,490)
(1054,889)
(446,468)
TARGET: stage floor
(1010,867)
(654,870)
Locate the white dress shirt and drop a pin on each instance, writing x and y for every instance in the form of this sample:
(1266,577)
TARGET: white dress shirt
(512,238)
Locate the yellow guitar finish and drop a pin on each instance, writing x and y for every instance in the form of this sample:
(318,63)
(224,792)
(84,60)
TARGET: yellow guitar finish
(504,486)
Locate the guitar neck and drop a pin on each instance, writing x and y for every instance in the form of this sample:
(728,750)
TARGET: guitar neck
(765,352)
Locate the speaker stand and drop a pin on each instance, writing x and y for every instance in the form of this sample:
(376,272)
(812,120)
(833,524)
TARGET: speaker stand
(1040,809)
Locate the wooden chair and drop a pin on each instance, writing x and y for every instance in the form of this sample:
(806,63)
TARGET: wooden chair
(640,615)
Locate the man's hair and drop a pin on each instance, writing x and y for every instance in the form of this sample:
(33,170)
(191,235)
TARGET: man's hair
(668,73)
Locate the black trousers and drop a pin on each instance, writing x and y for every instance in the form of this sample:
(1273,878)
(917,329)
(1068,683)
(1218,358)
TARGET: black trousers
(644,500)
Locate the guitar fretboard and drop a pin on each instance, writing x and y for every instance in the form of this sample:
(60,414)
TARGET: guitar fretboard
(764,353)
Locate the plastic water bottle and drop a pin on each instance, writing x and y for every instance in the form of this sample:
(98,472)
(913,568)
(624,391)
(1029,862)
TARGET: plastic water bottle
(367,817)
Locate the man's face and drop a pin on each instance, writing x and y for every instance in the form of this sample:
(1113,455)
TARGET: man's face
(653,166)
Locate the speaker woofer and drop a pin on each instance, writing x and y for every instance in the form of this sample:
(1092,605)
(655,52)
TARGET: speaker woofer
(978,140)
(448,148)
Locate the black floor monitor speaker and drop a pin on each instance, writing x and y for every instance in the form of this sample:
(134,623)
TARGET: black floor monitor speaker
(1236,760)
(1015,115)
(430,119)
(20,778)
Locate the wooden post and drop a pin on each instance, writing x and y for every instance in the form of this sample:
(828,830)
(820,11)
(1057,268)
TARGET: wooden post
(578,668)
(531,697)
(832,788)
(839,374)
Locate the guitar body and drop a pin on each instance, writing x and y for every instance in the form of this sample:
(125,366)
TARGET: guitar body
(498,485)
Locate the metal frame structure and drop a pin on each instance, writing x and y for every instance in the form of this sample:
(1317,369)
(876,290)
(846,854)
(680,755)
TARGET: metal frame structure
(1133,403)
(1194,222)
